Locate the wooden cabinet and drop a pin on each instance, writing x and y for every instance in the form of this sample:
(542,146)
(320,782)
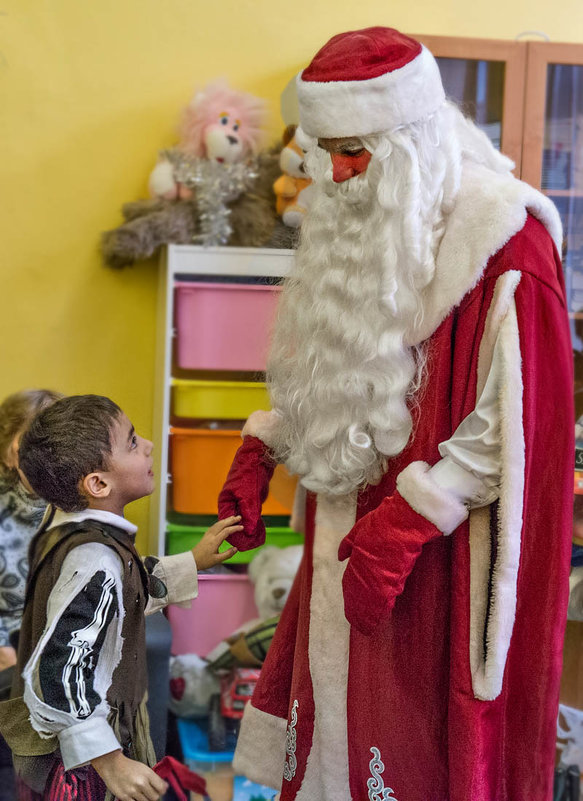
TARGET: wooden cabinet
(528,98)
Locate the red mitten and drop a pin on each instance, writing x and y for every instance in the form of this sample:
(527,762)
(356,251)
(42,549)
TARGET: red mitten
(383,547)
(245,490)
(180,778)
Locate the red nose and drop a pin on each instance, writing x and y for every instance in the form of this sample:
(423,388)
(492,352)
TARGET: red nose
(345,167)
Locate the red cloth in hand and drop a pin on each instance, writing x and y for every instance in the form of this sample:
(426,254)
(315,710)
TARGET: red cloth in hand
(383,547)
(180,778)
(245,490)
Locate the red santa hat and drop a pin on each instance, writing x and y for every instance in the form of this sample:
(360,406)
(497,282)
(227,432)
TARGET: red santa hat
(368,81)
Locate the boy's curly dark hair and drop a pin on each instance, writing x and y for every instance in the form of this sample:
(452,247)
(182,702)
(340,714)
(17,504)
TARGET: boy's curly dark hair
(66,442)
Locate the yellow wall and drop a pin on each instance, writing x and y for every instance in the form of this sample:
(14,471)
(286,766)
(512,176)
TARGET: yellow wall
(89,91)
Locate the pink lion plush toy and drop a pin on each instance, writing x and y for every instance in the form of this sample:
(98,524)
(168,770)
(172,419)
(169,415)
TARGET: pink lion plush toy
(213,187)
(220,124)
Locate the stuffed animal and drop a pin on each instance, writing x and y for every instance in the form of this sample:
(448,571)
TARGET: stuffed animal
(272,572)
(191,686)
(221,125)
(293,189)
(212,188)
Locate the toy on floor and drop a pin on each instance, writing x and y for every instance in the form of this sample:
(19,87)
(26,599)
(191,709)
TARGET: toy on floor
(227,707)
(293,189)
(192,685)
(213,188)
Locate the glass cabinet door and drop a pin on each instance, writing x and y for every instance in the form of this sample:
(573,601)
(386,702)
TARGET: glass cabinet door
(553,161)
(486,78)
(553,157)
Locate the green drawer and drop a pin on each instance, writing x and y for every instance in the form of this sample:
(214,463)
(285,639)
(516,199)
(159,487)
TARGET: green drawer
(183,538)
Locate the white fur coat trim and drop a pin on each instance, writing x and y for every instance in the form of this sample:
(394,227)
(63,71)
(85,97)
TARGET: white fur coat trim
(326,776)
(262,425)
(490,208)
(497,621)
(428,499)
(260,754)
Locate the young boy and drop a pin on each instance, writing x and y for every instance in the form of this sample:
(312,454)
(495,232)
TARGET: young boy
(77,720)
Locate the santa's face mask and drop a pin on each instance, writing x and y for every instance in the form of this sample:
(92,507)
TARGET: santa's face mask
(349,157)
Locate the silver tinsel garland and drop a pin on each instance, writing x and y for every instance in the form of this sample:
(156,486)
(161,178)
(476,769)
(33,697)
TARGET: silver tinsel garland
(214,185)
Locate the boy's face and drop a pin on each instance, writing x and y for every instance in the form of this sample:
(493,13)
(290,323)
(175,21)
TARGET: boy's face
(130,464)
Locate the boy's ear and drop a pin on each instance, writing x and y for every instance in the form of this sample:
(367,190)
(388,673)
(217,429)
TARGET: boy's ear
(95,485)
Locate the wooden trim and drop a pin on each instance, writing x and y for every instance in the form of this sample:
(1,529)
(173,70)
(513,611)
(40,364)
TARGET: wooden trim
(513,105)
(572,676)
(539,56)
(513,54)
(478,49)
(534,114)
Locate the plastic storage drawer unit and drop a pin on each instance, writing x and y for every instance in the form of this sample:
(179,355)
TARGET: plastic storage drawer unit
(183,538)
(214,400)
(200,461)
(224,326)
(224,603)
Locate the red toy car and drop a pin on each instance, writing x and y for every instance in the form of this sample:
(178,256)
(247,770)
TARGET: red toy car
(226,708)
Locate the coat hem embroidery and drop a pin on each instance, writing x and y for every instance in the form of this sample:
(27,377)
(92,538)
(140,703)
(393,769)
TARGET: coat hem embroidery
(291,763)
(376,786)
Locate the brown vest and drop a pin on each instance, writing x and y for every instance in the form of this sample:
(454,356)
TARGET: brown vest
(129,683)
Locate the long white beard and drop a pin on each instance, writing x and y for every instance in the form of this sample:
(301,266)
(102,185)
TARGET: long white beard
(340,374)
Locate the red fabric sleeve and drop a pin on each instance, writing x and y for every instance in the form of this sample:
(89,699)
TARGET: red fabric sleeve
(245,490)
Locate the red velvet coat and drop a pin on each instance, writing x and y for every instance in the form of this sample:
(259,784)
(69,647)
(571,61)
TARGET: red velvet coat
(455,697)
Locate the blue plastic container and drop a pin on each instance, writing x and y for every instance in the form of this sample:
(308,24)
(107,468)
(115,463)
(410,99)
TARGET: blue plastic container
(195,747)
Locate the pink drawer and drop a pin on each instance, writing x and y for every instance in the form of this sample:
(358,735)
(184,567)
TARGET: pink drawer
(224,603)
(224,326)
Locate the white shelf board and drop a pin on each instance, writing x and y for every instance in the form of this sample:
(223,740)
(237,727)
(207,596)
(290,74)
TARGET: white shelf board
(223,261)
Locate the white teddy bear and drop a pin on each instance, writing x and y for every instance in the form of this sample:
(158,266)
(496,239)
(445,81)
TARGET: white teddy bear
(272,572)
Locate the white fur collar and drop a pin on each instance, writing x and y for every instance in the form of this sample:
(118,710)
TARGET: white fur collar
(490,209)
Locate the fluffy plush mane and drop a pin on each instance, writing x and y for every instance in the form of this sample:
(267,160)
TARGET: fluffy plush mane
(205,109)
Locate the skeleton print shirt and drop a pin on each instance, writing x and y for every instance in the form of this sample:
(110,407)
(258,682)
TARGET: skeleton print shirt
(70,671)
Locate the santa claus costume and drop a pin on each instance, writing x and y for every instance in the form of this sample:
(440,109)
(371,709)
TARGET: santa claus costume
(421,383)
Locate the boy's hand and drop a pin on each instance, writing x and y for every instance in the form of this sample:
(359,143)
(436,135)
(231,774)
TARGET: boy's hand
(127,779)
(206,552)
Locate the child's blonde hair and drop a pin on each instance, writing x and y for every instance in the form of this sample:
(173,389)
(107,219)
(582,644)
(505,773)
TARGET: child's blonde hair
(16,412)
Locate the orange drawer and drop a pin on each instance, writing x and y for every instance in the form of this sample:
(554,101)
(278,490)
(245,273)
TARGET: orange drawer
(200,461)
